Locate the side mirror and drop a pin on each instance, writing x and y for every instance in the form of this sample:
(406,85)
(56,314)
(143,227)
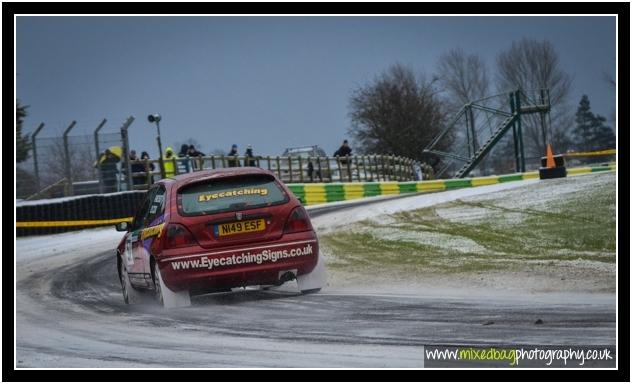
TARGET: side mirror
(122,227)
(300,199)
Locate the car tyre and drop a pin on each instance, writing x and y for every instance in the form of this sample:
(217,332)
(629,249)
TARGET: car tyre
(165,296)
(130,294)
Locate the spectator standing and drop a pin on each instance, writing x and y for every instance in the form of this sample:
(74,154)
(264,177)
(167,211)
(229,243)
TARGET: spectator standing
(310,171)
(233,161)
(344,151)
(109,171)
(184,150)
(193,154)
(250,157)
(137,167)
(168,160)
(148,167)
(184,165)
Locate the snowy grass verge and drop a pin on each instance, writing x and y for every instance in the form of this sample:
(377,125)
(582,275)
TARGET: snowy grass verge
(553,224)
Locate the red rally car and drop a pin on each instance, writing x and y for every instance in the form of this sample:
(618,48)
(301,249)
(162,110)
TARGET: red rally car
(211,231)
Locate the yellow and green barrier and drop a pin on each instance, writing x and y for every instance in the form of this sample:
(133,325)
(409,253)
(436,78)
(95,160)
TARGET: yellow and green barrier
(47,217)
(319,193)
(582,170)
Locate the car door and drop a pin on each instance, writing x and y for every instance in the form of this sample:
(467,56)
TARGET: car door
(152,228)
(133,255)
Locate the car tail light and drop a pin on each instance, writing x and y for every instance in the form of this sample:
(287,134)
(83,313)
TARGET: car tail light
(178,236)
(298,221)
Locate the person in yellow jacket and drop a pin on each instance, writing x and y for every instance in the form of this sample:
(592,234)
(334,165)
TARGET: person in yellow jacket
(169,163)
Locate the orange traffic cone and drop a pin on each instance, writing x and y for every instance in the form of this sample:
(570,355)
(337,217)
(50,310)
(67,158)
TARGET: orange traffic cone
(550,163)
(553,169)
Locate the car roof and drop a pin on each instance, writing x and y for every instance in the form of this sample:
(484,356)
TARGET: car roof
(187,178)
(302,149)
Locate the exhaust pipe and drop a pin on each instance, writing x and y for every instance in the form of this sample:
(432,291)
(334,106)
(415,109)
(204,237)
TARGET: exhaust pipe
(285,276)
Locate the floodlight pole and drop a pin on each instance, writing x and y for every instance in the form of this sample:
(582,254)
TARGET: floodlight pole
(125,160)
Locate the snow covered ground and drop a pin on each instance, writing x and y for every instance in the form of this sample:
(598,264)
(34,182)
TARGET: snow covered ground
(529,237)
(69,310)
(380,210)
(51,246)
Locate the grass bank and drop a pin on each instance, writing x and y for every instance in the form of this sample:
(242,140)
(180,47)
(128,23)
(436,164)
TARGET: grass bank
(554,222)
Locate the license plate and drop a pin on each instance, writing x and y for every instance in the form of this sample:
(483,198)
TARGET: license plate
(238,227)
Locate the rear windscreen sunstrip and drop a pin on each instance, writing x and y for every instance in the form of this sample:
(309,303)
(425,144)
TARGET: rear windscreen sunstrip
(230,194)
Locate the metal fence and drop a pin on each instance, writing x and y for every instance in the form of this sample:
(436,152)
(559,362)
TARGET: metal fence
(291,169)
(362,168)
(96,163)
(68,165)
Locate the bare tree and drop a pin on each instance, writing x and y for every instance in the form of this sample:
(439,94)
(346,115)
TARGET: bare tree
(398,113)
(463,77)
(532,65)
(53,159)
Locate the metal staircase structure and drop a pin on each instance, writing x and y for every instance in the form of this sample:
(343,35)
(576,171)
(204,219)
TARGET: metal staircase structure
(487,121)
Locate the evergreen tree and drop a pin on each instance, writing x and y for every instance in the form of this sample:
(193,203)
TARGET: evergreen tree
(583,132)
(22,142)
(604,135)
(591,133)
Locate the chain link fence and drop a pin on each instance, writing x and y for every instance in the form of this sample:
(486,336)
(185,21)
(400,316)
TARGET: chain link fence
(70,165)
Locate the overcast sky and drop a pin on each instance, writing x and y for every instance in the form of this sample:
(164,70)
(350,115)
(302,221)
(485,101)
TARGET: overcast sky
(273,82)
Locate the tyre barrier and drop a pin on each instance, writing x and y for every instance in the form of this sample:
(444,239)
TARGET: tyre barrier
(71,214)
(558,159)
(554,172)
(319,193)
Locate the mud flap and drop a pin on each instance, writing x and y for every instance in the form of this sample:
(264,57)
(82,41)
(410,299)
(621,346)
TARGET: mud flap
(314,280)
(171,299)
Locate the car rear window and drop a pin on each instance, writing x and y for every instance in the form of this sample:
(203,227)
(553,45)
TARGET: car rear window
(230,194)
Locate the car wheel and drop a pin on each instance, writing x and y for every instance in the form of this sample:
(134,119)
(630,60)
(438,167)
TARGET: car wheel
(157,283)
(130,294)
(165,296)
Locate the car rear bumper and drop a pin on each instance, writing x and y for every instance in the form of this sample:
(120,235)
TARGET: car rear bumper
(197,268)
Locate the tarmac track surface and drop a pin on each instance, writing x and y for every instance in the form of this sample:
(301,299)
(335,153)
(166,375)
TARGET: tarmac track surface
(70,313)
